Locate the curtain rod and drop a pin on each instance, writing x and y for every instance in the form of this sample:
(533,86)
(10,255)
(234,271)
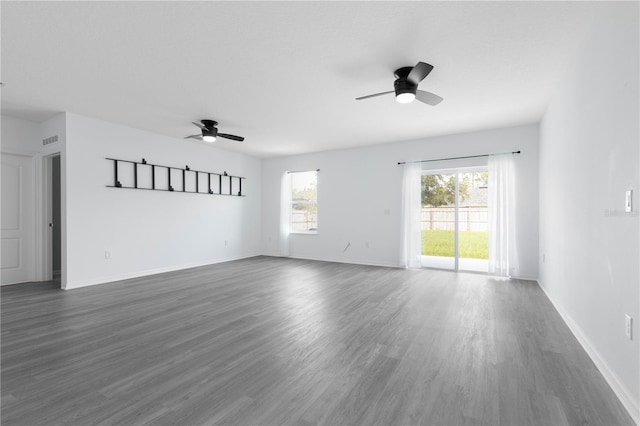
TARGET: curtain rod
(303,171)
(457,158)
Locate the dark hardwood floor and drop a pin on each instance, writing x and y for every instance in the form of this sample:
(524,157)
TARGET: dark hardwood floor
(266,341)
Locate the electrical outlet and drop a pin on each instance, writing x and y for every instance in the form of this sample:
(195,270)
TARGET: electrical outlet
(628,208)
(107,255)
(628,326)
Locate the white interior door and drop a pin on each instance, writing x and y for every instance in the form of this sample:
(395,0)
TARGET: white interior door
(17,221)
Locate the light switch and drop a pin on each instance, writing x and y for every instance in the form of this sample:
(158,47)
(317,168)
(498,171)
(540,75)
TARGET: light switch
(627,201)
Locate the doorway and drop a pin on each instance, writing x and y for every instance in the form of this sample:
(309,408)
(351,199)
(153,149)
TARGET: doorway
(52,238)
(454,219)
(55,224)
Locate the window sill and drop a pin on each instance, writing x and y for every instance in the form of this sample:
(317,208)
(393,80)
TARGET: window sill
(303,233)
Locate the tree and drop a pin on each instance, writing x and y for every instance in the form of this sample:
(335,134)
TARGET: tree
(308,193)
(481,179)
(440,190)
(305,198)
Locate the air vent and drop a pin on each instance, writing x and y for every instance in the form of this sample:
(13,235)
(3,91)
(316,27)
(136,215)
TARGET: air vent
(49,140)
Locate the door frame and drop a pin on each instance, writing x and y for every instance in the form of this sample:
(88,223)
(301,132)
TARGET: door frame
(46,217)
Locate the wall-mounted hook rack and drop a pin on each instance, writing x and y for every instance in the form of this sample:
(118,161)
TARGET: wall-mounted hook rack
(230,186)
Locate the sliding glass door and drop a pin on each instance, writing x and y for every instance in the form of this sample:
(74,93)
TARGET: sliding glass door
(454,220)
(438,220)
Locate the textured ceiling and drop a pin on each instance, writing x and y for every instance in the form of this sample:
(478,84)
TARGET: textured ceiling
(285,74)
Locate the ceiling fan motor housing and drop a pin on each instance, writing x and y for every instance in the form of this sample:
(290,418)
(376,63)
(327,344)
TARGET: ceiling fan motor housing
(210,128)
(210,131)
(402,85)
(209,123)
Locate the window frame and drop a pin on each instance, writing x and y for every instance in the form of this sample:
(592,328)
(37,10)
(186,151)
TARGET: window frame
(291,203)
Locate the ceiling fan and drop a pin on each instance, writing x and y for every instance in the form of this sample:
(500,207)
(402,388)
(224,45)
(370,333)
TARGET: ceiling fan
(406,85)
(210,132)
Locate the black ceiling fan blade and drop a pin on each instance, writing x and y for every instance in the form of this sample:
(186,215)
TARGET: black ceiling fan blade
(202,126)
(232,137)
(419,72)
(199,137)
(373,96)
(428,98)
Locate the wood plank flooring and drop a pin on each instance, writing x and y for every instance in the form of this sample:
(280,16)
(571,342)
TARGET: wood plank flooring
(265,341)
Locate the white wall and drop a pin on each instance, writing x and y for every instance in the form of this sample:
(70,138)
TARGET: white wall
(357,187)
(25,138)
(589,154)
(150,231)
(19,136)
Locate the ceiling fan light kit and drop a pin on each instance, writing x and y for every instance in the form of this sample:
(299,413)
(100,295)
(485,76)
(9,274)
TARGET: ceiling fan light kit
(405,89)
(406,86)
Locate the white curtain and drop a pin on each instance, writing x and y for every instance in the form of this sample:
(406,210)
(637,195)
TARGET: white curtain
(411,202)
(285,208)
(503,256)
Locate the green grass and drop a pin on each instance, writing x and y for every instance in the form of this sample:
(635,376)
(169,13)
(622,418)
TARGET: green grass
(440,243)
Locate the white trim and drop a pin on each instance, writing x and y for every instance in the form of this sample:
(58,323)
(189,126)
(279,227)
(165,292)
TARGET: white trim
(521,277)
(353,261)
(616,385)
(44,200)
(35,175)
(23,152)
(391,265)
(456,223)
(17,282)
(138,274)
(39,235)
(45,218)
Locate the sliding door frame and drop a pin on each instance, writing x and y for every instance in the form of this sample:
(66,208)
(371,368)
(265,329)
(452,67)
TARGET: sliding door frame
(456,172)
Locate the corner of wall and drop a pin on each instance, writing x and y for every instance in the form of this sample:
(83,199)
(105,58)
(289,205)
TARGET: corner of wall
(588,245)
(609,375)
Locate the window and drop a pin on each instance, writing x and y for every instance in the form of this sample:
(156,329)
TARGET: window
(304,202)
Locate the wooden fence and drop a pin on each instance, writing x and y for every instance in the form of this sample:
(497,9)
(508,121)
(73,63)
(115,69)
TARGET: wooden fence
(302,220)
(471,218)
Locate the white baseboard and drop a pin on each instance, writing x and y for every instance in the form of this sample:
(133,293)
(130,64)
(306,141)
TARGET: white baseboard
(388,265)
(144,273)
(17,282)
(526,277)
(618,388)
(355,262)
